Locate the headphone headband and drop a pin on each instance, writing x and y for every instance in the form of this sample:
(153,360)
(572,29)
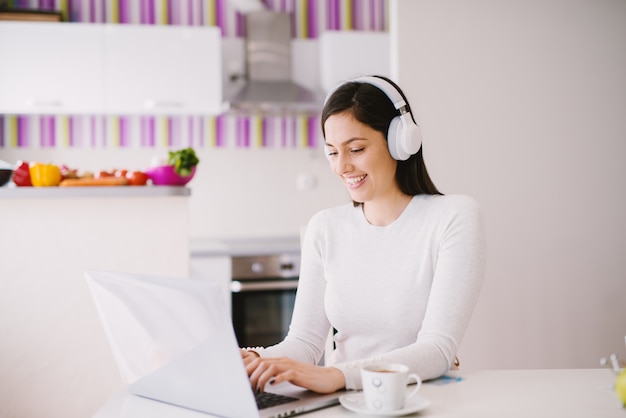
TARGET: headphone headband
(403,137)
(392,93)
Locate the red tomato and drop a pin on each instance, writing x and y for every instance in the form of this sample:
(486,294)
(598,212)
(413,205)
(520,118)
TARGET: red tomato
(105,174)
(137,178)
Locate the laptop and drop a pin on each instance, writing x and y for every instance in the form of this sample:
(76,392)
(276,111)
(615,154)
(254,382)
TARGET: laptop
(173,341)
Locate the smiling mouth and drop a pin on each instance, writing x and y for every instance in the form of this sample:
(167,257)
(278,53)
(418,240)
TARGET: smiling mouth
(354,181)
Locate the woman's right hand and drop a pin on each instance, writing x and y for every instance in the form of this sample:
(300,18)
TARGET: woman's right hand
(262,371)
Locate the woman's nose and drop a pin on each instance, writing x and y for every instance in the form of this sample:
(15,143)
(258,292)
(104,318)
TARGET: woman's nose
(342,164)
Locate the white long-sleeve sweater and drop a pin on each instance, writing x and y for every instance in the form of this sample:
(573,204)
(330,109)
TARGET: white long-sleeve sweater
(401,293)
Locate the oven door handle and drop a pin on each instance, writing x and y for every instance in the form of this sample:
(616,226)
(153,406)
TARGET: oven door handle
(238,287)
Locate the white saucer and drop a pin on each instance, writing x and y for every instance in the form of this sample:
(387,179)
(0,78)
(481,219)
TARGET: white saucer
(356,403)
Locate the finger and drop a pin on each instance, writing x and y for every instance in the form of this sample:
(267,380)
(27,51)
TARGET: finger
(277,374)
(255,370)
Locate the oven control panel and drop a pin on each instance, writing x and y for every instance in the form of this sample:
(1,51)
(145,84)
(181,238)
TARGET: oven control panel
(267,266)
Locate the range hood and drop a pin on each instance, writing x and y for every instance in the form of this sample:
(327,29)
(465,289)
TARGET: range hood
(268,87)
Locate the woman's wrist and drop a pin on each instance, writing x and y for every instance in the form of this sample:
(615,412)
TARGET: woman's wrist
(338,378)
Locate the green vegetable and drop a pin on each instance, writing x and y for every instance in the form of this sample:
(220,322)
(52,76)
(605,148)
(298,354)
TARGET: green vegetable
(183,161)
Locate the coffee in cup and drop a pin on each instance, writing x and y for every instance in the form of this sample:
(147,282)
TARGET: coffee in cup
(384,386)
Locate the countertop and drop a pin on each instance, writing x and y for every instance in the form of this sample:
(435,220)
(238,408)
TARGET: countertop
(249,246)
(572,393)
(8,192)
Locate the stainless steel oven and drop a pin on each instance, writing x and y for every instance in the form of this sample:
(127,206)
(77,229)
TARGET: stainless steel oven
(263,290)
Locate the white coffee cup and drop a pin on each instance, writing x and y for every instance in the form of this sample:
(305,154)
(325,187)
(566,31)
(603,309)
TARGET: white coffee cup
(384,386)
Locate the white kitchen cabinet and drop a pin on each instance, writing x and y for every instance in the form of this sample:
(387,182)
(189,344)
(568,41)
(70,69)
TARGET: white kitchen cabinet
(50,68)
(163,69)
(76,68)
(348,54)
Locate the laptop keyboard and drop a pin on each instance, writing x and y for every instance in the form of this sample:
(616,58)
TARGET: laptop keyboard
(267,399)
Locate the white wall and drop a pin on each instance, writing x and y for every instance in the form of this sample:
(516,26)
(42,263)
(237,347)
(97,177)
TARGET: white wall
(522,105)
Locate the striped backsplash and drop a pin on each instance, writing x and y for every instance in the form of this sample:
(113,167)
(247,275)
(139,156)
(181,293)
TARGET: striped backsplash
(310,18)
(50,131)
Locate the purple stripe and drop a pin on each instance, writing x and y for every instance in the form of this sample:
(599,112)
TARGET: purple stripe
(219,131)
(92,131)
(294,132)
(170,13)
(264,133)
(190,21)
(52,121)
(333,15)
(152,129)
(283,132)
(143,131)
(312,126)
(151,13)
(71,131)
(124,131)
(177,18)
(312,19)
(147,131)
(46,4)
(143,12)
(357,14)
(2,143)
(92,11)
(70,11)
(170,131)
(220,15)
(124,11)
(22,131)
(241,132)
(381,16)
(239,25)
(43,137)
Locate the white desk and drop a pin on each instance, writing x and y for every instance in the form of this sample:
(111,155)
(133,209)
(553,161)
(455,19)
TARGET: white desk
(580,393)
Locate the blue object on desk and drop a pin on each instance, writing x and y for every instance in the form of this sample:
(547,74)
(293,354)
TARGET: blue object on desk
(445,380)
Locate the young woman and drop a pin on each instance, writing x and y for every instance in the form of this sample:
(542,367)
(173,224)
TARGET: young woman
(396,273)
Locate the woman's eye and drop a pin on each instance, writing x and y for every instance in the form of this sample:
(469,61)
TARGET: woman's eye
(357,150)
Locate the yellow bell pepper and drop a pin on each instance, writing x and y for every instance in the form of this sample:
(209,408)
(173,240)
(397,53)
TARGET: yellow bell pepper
(45,175)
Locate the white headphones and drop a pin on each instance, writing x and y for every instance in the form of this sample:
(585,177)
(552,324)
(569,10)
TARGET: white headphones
(404,137)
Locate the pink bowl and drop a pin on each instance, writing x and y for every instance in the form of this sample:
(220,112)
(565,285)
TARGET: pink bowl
(164,175)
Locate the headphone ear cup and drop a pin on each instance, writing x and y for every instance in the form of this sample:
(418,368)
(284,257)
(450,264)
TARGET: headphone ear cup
(394,140)
(411,135)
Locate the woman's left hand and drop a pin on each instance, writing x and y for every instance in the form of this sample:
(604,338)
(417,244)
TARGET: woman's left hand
(276,370)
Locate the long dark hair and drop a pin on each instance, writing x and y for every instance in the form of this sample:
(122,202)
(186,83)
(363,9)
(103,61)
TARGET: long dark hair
(371,106)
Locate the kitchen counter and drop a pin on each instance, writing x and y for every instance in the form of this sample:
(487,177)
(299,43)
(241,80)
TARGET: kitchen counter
(252,246)
(572,393)
(53,343)
(93,191)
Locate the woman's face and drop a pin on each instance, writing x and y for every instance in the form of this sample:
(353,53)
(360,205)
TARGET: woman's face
(359,155)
